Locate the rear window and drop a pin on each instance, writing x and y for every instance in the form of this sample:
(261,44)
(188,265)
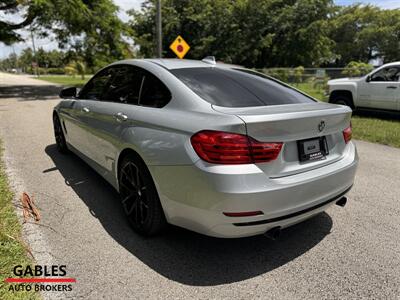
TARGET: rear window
(238,87)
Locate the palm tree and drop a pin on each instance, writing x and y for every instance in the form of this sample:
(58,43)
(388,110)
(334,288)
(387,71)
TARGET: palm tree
(76,67)
(80,68)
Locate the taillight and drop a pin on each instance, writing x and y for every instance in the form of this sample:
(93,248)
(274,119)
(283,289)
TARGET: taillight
(231,148)
(347,134)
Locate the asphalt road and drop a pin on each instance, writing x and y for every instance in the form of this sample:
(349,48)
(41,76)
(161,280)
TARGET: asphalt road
(345,253)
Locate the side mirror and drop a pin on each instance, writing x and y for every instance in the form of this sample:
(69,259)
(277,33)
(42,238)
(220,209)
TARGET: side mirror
(368,78)
(68,93)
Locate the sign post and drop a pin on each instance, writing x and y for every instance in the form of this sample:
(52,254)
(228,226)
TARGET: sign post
(159,29)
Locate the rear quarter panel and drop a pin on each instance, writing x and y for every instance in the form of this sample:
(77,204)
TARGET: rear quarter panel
(162,136)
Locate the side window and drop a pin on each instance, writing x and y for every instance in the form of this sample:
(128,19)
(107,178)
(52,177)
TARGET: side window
(96,86)
(153,93)
(124,86)
(386,74)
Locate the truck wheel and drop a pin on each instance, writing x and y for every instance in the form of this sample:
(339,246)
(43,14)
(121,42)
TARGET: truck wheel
(343,100)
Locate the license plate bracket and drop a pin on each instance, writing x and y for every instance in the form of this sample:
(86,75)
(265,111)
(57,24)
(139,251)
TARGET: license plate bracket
(312,149)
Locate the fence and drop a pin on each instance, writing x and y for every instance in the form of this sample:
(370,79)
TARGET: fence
(313,81)
(303,75)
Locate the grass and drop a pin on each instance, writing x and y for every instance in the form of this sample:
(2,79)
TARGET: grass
(376,127)
(66,80)
(310,89)
(376,130)
(12,251)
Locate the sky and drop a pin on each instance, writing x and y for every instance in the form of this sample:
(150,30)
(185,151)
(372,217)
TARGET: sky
(48,44)
(387,4)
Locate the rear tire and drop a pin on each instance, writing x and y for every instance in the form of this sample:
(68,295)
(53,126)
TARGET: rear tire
(139,197)
(59,135)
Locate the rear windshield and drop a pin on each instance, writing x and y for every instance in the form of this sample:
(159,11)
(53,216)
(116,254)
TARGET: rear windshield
(238,87)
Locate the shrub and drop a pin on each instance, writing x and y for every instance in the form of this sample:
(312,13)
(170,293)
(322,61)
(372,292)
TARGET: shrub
(278,73)
(298,74)
(56,71)
(356,69)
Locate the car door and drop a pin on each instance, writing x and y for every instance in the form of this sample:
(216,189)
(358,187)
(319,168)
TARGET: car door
(69,120)
(398,95)
(381,89)
(89,95)
(108,117)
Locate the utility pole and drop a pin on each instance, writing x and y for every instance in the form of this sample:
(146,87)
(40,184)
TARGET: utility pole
(16,58)
(34,55)
(159,29)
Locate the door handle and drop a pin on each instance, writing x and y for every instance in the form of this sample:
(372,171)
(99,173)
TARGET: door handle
(85,109)
(121,117)
(391,87)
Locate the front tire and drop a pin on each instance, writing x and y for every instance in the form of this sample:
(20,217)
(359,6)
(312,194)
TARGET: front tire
(343,100)
(139,197)
(59,135)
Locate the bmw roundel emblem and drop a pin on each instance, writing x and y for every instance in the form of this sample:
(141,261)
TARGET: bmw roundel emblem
(321,126)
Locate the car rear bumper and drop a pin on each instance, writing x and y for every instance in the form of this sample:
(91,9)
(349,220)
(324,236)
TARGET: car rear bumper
(299,213)
(196,196)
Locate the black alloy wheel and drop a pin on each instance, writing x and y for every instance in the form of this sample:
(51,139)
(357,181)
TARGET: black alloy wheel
(59,135)
(139,197)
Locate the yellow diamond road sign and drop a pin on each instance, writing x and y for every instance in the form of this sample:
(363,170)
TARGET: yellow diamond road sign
(180,47)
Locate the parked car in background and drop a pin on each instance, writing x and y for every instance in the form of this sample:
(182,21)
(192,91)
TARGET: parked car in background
(380,89)
(218,149)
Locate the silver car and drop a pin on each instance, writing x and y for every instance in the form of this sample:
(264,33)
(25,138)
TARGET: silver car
(214,148)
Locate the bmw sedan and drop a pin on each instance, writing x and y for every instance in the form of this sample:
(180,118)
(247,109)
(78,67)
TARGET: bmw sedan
(218,149)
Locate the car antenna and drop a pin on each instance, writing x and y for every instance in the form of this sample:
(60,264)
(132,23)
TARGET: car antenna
(209,60)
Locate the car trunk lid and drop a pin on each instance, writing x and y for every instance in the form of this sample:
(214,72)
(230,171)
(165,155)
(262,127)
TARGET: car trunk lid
(292,123)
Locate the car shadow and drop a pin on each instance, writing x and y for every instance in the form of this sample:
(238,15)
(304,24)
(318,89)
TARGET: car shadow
(383,115)
(184,256)
(30,92)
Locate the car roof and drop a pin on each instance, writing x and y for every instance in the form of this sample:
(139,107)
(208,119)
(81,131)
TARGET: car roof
(174,63)
(395,63)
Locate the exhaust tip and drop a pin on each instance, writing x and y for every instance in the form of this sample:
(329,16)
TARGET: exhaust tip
(274,233)
(341,202)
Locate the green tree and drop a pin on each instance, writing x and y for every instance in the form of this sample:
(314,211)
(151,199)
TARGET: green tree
(94,23)
(55,58)
(366,32)
(8,30)
(389,35)
(10,62)
(80,68)
(76,67)
(248,32)
(70,69)
(26,59)
(348,29)
(301,33)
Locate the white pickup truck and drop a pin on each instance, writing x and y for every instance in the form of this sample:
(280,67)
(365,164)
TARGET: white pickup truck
(380,89)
